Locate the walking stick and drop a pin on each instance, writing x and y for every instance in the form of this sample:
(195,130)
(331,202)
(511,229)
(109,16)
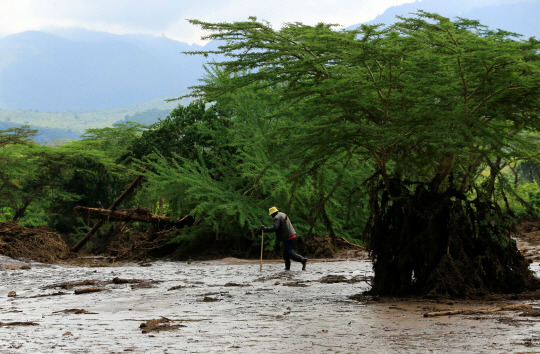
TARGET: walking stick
(262,243)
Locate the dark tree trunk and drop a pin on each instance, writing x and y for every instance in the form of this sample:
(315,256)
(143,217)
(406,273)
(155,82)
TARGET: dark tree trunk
(19,213)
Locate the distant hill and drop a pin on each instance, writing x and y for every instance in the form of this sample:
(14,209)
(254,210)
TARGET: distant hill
(72,124)
(47,135)
(84,70)
(518,16)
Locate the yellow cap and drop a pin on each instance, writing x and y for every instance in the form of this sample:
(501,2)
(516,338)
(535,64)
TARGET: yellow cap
(272,210)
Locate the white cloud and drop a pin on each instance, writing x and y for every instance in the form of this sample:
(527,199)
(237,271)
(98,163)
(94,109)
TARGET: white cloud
(169,17)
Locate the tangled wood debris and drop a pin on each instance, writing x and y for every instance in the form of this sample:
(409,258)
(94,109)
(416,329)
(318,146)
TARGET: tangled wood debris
(38,244)
(113,206)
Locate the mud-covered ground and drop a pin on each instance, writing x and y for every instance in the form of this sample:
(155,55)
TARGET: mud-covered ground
(230,306)
(527,236)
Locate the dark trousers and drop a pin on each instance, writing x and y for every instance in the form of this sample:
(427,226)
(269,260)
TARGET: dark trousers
(288,254)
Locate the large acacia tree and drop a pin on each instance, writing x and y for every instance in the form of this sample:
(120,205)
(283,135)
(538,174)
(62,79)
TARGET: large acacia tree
(439,108)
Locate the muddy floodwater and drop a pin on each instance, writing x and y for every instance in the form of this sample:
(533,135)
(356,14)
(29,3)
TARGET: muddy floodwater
(230,306)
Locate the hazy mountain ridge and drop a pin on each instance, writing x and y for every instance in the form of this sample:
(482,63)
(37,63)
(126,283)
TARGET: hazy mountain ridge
(519,17)
(72,124)
(46,72)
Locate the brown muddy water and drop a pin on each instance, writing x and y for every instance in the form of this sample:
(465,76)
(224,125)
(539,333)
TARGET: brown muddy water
(229,306)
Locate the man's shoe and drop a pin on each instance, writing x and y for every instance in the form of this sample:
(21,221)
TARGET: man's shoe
(304,264)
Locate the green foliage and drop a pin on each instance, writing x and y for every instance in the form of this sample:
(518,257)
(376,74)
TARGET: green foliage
(192,170)
(28,173)
(528,194)
(529,171)
(42,184)
(88,182)
(110,143)
(182,132)
(93,178)
(189,189)
(16,135)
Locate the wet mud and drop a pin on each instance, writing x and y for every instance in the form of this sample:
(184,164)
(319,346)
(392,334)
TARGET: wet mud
(230,306)
(527,236)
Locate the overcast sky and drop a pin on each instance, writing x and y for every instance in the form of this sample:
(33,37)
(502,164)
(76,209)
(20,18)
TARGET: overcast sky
(168,17)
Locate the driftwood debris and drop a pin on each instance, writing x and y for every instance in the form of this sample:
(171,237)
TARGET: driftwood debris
(76,311)
(58,293)
(139,214)
(126,281)
(87,291)
(3,324)
(113,206)
(157,325)
(71,285)
(343,241)
(515,307)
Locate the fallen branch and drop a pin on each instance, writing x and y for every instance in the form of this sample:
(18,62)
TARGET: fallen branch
(350,244)
(131,215)
(516,307)
(3,324)
(87,290)
(45,295)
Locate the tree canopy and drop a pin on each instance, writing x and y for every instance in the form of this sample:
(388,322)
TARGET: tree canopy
(422,98)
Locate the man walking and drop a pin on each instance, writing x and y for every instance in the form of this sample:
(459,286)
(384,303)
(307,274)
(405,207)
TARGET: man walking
(285,233)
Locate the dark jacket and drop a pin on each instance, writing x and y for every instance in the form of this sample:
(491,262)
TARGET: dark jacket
(282,227)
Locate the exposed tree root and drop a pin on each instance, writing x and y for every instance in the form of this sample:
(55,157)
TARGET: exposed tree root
(440,244)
